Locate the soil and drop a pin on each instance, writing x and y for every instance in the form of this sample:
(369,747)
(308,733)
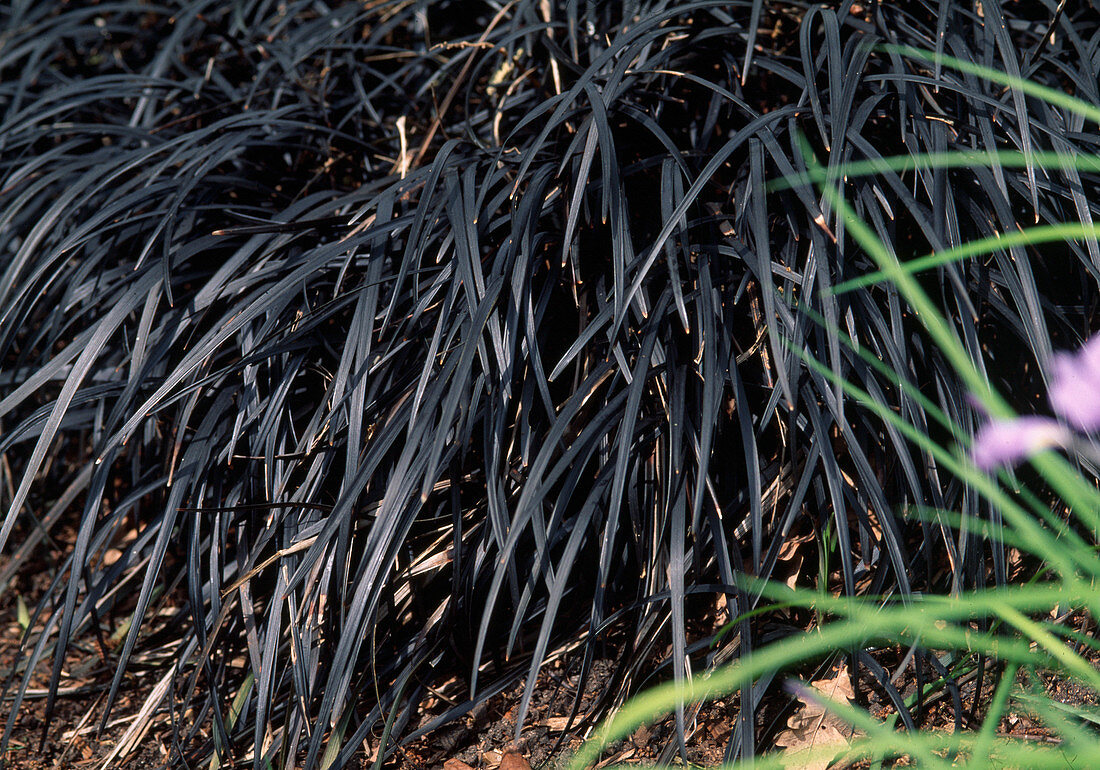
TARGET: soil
(69,737)
(483,740)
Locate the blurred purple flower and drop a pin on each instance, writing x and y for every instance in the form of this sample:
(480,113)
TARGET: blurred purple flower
(1006,442)
(1075,386)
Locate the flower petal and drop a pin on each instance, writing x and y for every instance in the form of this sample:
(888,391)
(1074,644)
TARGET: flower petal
(1006,442)
(1075,386)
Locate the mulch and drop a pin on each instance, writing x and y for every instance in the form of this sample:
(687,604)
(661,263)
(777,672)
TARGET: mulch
(482,740)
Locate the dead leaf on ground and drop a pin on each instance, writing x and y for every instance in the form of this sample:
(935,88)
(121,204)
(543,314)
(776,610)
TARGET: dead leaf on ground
(814,729)
(792,554)
(513,760)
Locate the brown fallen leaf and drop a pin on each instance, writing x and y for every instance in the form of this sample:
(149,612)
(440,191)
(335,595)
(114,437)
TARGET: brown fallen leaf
(813,728)
(456,764)
(513,760)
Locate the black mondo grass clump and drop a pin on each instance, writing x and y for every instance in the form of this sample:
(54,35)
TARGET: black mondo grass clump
(389,347)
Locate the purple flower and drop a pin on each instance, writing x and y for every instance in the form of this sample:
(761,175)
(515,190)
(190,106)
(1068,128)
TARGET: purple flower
(1075,386)
(1006,442)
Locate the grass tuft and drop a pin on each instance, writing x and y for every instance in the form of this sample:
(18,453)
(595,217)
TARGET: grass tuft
(384,350)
